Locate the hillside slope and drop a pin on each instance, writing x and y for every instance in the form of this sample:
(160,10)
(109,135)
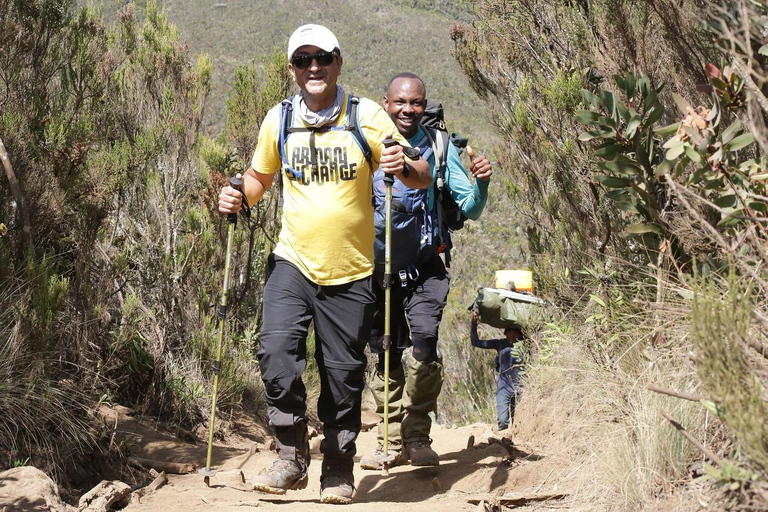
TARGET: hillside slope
(378,39)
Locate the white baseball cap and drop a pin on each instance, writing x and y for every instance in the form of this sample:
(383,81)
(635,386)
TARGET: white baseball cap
(314,35)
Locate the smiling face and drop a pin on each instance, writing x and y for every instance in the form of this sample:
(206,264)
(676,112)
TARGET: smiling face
(405,102)
(317,82)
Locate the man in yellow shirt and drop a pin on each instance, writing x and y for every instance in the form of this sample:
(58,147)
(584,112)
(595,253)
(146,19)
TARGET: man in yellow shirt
(321,268)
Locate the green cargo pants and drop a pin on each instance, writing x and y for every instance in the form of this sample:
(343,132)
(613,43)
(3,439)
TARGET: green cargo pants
(396,409)
(423,385)
(410,401)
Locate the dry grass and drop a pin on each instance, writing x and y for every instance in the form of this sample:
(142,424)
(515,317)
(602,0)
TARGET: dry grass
(43,408)
(590,409)
(42,422)
(724,334)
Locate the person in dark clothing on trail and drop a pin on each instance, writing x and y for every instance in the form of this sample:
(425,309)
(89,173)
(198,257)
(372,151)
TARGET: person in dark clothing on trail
(509,363)
(420,293)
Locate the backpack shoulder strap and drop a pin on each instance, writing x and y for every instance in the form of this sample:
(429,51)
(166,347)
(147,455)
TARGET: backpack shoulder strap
(286,123)
(440,141)
(432,135)
(441,150)
(353,125)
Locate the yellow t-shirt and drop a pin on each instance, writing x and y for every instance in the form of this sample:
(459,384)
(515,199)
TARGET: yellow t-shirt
(327,221)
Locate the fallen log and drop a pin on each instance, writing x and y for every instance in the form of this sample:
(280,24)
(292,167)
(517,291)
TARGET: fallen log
(103,496)
(157,483)
(176,468)
(516,501)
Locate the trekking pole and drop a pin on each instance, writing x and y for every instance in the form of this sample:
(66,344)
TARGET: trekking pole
(221,313)
(389,180)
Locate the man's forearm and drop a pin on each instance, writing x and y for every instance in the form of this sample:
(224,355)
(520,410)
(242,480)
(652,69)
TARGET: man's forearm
(255,184)
(419,174)
(474,339)
(475,204)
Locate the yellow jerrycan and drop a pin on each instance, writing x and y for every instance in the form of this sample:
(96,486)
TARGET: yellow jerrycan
(522,280)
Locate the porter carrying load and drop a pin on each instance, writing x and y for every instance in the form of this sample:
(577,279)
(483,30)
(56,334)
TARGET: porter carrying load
(508,307)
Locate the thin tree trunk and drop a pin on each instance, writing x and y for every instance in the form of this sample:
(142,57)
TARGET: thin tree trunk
(26,230)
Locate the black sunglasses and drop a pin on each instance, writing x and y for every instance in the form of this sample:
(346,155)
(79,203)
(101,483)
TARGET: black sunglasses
(304,61)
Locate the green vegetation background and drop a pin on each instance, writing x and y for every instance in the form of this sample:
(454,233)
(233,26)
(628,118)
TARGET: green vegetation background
(378,39)
(630,176)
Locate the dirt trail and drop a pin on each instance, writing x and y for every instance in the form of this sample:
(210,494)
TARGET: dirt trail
(465,475)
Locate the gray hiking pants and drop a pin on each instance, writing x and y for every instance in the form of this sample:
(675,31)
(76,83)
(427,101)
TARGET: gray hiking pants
(416,311)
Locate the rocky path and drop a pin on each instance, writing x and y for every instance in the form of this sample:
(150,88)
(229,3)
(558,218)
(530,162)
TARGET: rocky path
(467,475)
(479,470)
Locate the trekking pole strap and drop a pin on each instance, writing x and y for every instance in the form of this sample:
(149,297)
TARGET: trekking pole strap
(409,152)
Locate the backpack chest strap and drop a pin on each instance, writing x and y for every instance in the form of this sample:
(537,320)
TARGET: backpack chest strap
(312,146)
(352,126)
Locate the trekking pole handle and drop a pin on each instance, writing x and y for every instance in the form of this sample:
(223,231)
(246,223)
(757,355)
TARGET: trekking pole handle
(237,184)
(388,143)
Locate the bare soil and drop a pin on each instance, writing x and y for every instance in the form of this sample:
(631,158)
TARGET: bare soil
(466,476)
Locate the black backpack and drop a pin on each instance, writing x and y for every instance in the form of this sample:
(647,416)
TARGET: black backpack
(434,117)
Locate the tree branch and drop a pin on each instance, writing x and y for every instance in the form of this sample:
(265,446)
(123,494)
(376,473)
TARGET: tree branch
(695,442)
(18,194)
(679,394)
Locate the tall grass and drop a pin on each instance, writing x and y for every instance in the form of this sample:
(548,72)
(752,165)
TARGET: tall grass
(43,411)
(730,364)
(42,422)
(586,402)
(597,415)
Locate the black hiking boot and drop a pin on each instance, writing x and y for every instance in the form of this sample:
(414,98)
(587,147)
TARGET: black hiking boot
(337,483)
(420,453)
